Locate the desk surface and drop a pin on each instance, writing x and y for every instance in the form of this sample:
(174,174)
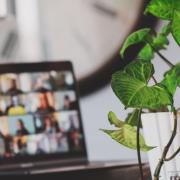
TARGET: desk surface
(108,171)
(112,170)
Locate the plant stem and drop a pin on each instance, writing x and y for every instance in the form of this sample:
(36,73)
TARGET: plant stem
(161,56)
(165,59)
(166,149)
(173,156)
(154,79)
(138,146)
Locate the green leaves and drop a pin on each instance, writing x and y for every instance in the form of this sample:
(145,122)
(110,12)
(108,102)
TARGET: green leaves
(135,38)
(172,79)
(152,42)
(139,70)
(126,135)
(176,26)
(167,10)
(156,44)
(114,120)
(130,86)
(146,53)
(161,40)
(132,118)
(161,8)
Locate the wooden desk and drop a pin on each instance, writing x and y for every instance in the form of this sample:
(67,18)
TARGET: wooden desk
(114,173)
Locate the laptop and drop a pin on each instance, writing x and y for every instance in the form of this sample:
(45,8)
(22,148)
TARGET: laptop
(40,122)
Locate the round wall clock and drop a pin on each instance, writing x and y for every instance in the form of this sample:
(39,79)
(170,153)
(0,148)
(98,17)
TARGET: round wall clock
(90,34)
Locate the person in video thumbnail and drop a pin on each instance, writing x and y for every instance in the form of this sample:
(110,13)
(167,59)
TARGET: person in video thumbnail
(50,125)
(72,124)
(44,106)
(19,142)
(43,83)
(13,90)
(7,144)
(15,108)
(67,102)
(74,140)
(21,129)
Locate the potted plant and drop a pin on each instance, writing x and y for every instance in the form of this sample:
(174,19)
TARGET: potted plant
(131,86)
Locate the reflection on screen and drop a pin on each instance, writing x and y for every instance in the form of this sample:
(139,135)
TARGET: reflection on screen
(38,114)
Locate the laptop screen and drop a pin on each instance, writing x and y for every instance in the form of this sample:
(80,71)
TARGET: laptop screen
(39,112)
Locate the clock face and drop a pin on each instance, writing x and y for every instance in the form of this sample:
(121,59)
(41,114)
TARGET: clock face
(87,32)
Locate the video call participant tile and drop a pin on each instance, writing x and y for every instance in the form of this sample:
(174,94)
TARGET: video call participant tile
(21,125)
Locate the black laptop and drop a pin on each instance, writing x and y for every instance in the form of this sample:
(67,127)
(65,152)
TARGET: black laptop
(40,121)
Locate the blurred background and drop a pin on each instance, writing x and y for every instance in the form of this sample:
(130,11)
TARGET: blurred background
(90,34)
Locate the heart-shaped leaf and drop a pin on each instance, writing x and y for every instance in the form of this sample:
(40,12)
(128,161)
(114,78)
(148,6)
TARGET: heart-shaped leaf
(158,43)
(176,26)
(135,38)
(151,42)
(163,9)
(131,87)
(168,10)
(140,70)
(172,79)
(126,136)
